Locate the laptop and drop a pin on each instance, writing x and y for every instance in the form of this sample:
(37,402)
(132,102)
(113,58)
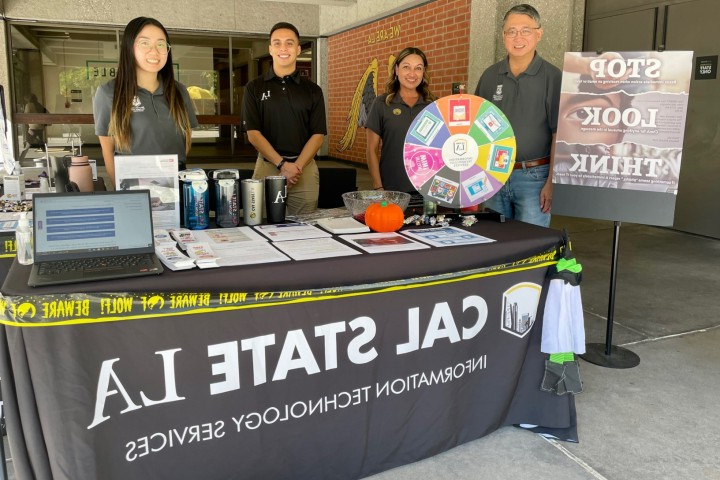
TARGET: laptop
(82,237)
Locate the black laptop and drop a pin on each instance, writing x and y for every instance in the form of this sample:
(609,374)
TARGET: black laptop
(81,237)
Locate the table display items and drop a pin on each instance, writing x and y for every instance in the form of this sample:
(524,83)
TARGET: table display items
(275,198)
(227,196)
(342,225)
(172,258)
(357,202)
(384,217)
(459,151)
(195,199)
(80,172)
(24,240)
(203,255)
(252,200)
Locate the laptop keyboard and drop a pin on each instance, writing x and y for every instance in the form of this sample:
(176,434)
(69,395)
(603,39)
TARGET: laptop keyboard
(105,264)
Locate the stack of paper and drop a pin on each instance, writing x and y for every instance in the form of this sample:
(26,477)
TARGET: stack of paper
(202,254)
(239,246)
(183,236)
(291,231)
(342,225)
(172,258)
(162,237)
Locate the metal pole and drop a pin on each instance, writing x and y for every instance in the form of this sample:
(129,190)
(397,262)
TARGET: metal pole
(607,355)
(613,283)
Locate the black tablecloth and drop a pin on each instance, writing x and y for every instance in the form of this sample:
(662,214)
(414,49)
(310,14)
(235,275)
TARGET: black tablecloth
(336,368)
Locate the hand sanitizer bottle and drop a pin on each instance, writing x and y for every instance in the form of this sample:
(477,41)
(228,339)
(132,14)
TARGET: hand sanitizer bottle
(24,241)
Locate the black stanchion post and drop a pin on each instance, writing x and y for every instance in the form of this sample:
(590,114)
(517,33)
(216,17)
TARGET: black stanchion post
(606,355)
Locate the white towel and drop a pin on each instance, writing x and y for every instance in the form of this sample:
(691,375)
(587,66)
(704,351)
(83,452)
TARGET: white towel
(563,321)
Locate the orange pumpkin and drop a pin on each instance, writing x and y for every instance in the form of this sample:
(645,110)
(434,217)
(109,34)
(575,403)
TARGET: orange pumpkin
(384,217)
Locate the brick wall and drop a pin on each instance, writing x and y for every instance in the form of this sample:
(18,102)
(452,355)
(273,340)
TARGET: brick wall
(441,29)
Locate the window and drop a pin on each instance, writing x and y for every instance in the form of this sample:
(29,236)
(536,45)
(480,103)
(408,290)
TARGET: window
(63,67)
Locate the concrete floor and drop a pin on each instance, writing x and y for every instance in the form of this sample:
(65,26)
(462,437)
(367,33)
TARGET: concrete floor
(654,421)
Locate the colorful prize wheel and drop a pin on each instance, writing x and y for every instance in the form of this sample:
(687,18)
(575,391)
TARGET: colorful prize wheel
(459,151)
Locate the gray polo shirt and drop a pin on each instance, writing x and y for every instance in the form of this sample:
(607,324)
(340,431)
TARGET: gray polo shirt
(392,122)
(530,101)
(153,129)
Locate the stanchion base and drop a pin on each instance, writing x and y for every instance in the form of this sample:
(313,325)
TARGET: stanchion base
(618,358)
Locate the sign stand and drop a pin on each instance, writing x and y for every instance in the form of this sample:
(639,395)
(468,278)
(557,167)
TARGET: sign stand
(606,355)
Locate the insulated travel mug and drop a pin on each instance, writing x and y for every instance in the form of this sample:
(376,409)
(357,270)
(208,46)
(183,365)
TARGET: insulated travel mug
(275,197)
(252,200)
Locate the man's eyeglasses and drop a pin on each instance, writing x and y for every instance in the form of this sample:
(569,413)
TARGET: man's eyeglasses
(145,46)
(524,32)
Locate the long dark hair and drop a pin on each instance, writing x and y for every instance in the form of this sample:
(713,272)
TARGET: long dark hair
(126,88)
(393,84)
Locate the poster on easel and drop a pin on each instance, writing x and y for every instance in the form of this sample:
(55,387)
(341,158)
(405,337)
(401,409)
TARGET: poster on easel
(619,141)
(459,151)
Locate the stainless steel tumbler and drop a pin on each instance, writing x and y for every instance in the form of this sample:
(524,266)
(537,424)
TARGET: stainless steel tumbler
(252,200)
(275,198)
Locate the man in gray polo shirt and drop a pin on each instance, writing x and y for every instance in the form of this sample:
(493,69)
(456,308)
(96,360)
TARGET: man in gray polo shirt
(527,90)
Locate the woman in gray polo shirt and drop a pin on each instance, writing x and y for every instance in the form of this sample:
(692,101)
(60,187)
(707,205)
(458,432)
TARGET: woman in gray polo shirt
(407,94)
(144,111)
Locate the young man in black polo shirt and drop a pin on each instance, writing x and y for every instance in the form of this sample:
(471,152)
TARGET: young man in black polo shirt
(284,117)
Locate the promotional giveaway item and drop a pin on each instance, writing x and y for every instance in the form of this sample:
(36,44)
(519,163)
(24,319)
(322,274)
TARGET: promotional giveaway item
(275,198)
(459,151)
(252,200)
(23,240)
(195,197)
(80,173)
(227,195)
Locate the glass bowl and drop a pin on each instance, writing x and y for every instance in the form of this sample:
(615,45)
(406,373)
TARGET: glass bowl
(357,202)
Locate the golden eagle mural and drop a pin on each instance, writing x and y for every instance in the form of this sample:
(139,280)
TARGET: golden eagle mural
(362,100)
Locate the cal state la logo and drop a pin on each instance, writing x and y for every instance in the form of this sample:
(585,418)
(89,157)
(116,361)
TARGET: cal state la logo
(498,93)
(137,105)
(520,303)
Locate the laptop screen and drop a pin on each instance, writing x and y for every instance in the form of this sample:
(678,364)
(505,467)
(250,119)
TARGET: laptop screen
(93,224)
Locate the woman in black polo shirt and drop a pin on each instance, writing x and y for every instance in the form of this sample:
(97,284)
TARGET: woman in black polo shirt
(407,93)
(144,111)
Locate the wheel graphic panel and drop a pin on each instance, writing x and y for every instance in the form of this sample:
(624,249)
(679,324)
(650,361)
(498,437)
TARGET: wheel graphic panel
(459,151)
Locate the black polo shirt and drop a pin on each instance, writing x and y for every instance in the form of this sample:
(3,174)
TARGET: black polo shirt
(286,110)
(391,123)
(530,101)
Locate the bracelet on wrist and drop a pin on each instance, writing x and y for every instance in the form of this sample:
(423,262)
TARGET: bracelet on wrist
(282,162)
